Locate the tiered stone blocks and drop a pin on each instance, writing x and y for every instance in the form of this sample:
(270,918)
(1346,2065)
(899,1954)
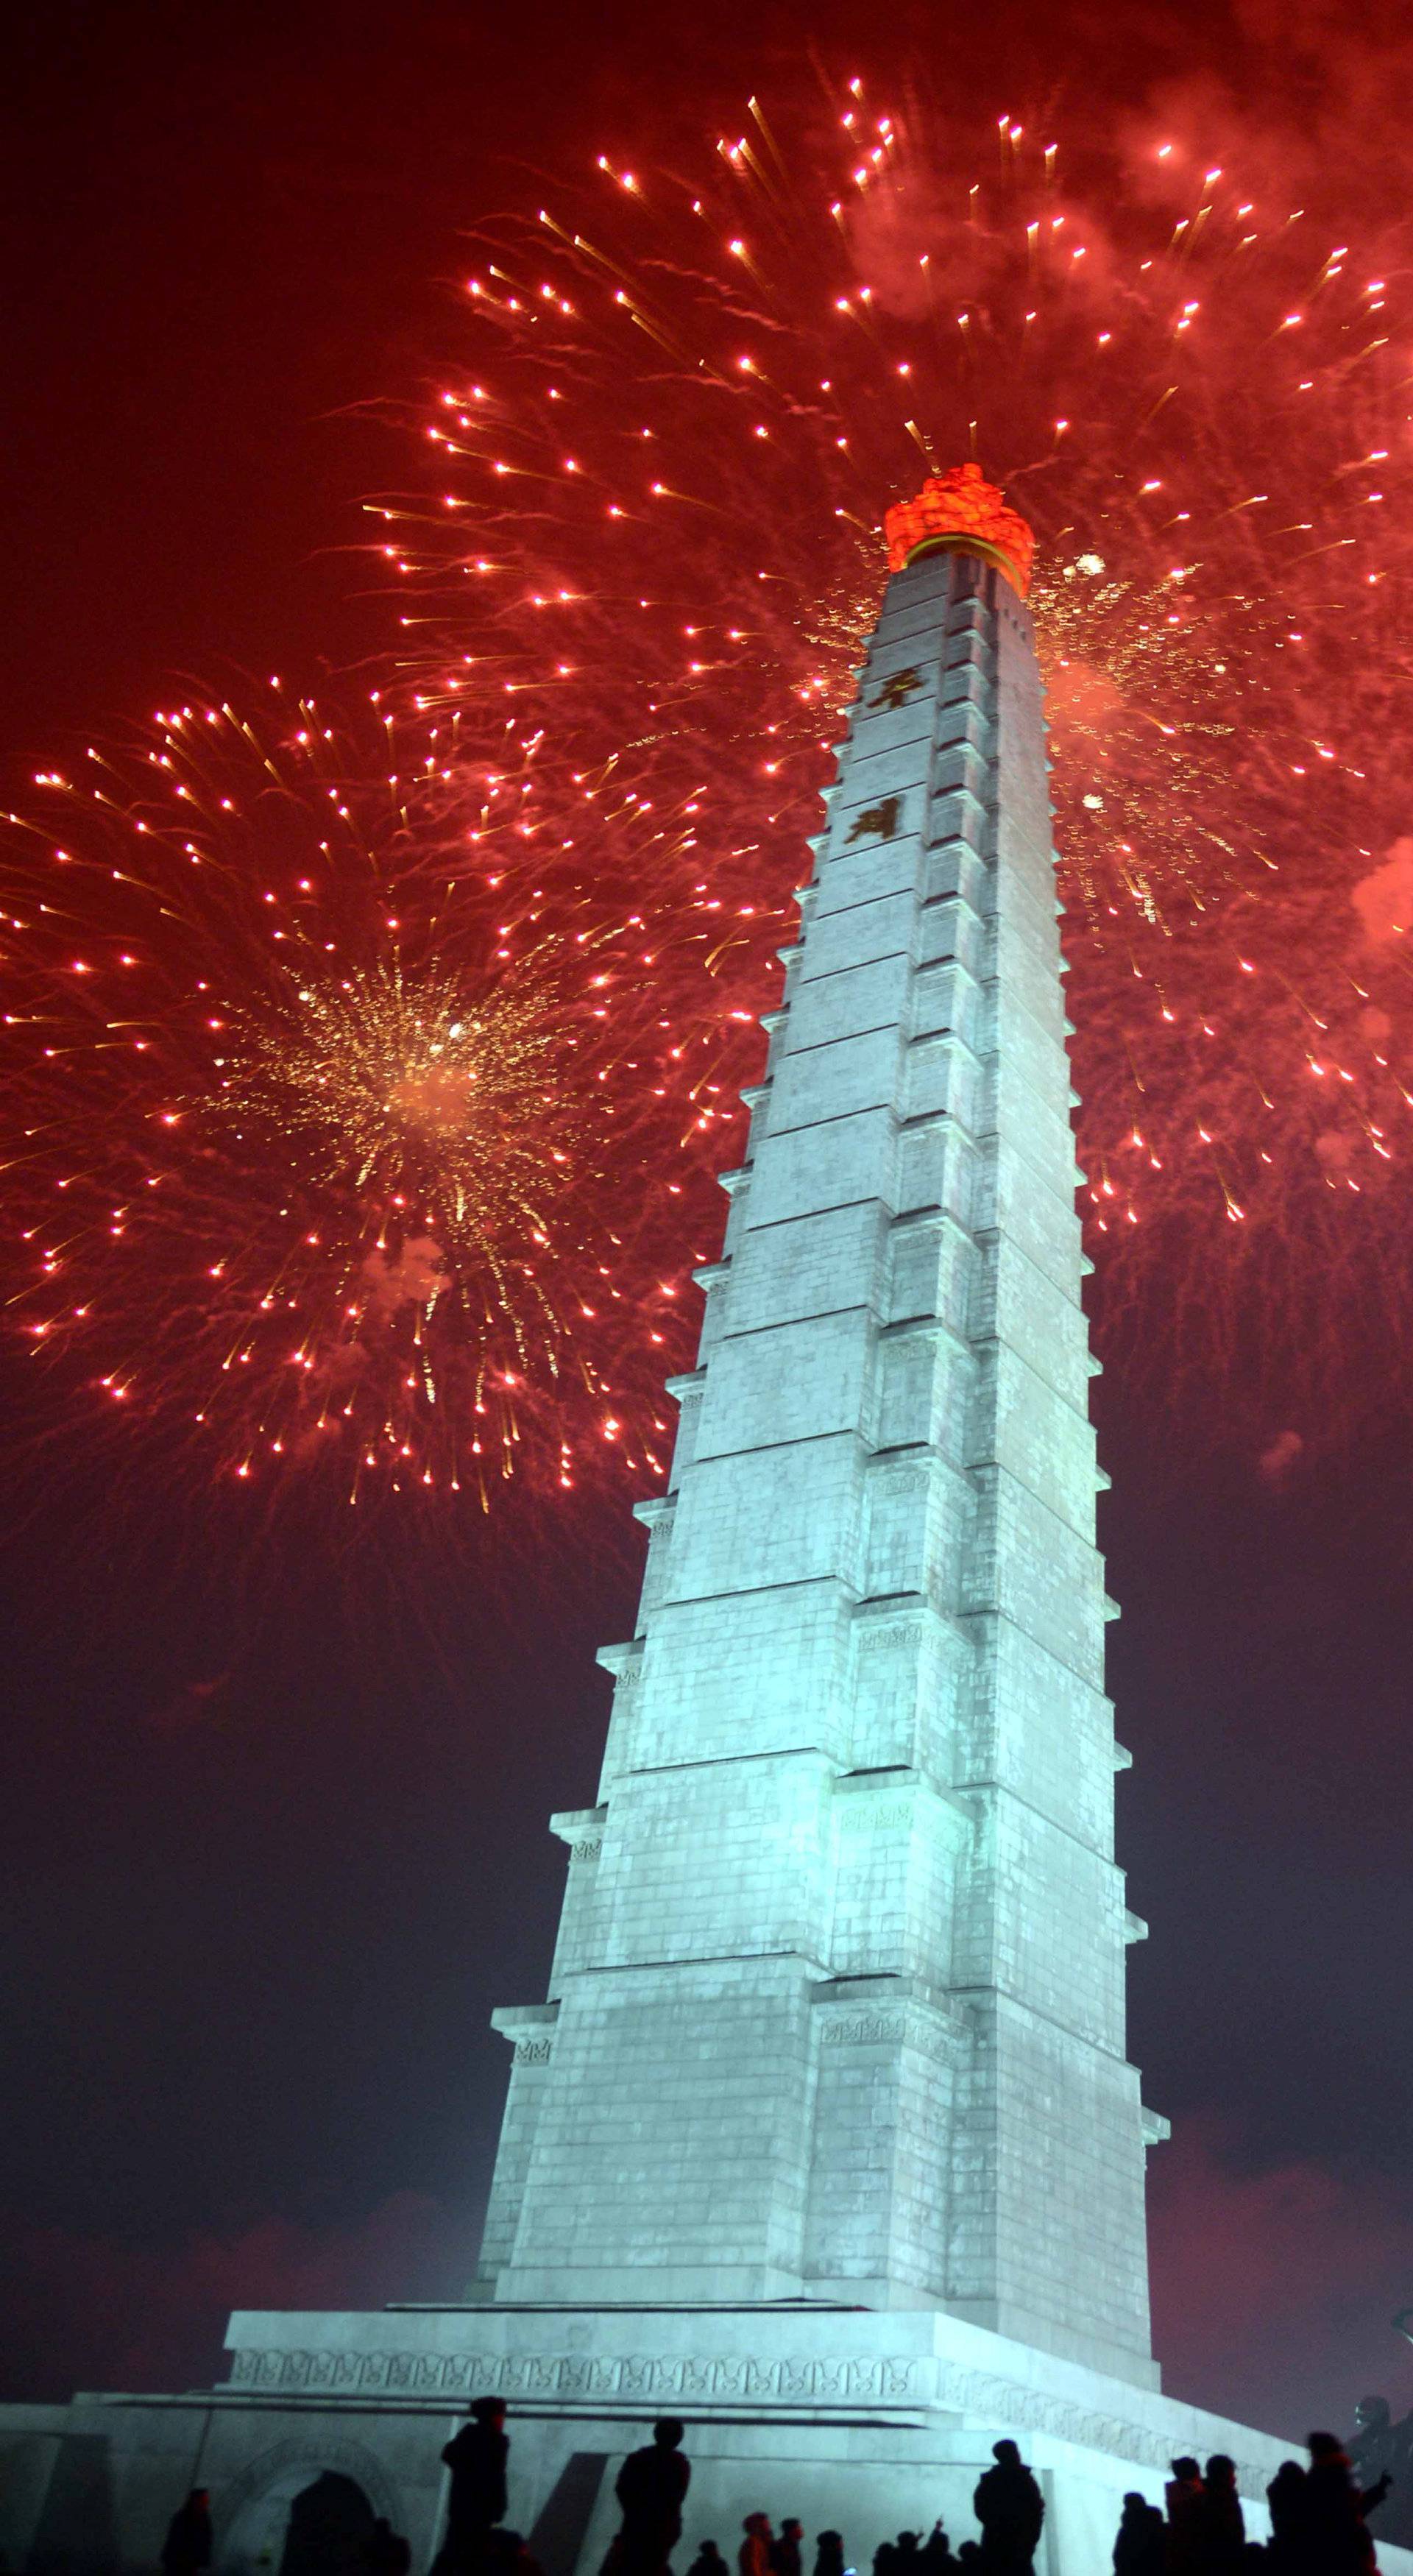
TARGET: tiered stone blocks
(840,1992)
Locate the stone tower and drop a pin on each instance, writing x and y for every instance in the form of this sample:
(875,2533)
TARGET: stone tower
(825,2141)
(837,2007)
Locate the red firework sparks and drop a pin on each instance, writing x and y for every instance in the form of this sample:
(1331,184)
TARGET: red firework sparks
(343,1152)
(345,1100)
(661,471)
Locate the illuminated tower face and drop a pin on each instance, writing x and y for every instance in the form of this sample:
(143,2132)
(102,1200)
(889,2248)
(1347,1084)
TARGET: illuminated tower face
(838,2001)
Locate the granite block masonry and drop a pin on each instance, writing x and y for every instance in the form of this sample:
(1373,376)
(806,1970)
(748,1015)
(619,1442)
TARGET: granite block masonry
(837,2009)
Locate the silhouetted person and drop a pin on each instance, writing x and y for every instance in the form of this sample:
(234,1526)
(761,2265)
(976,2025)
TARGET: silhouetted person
(907,2559)
(1010,2508)
(708,2561)
(1286,2497)
(1378,2444)
(829,2554)
(753,2556)
(885,2558)
(969,2556)
(1141,2545)
(1372,2446)
(186,2551)
(1223,2524)
(386,2552)
(785,2549)
(1335,2540)
(935,2555)
(476,2457)
(652,2485)
(329,2528)
(1186,2499)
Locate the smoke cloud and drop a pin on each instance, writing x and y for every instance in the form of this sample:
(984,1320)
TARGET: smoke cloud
(106,2313)
(1384,898)
(1273,2292)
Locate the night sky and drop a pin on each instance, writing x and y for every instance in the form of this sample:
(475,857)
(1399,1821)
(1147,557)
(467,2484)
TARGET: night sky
(275,1837)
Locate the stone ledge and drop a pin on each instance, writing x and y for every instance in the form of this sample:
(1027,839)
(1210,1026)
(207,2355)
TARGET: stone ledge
(781,2355)
(573,1823)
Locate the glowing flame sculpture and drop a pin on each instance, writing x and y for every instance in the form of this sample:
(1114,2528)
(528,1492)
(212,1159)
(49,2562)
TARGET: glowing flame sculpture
(961,512)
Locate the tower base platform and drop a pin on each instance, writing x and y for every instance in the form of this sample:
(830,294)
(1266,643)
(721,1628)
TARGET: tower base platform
(852,2419)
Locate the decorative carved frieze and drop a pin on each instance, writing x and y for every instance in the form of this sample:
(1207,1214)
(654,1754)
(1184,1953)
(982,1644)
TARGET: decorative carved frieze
(894,1639)
(864,2030)
(582,2377)
(980,2392)
(863,1815)
(533,2052)
(891,2027)
(985,2397)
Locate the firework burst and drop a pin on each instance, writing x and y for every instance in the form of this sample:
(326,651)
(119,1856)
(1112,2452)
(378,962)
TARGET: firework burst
(341,1151)
(660,472)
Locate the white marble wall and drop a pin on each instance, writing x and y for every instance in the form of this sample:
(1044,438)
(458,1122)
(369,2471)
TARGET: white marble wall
(840,1983)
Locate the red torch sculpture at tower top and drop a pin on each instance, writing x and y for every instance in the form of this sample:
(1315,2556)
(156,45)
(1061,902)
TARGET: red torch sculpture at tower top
(961,510)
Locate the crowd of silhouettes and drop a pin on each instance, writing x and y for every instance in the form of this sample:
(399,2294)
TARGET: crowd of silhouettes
(1008,2505)
(1318,2521)
(1318,2525)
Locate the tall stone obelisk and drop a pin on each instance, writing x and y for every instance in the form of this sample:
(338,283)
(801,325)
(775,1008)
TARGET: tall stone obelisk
(825,2140)
(837,2008)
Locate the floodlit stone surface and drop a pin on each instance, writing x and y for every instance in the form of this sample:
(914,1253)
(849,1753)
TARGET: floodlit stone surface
(865,1738)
